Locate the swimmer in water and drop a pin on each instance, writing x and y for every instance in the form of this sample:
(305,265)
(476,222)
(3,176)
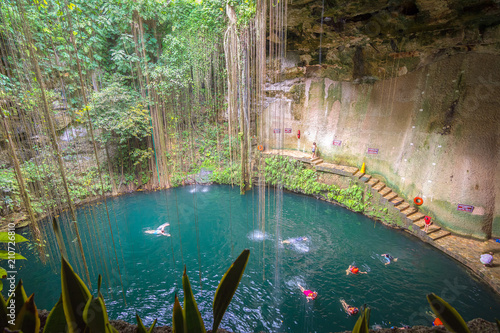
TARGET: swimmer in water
(310,295)
(350,310)
(354,270)
(294,240)
(388,258)
(160,230)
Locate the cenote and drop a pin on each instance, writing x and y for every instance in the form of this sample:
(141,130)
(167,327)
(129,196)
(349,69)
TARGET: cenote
(211,225)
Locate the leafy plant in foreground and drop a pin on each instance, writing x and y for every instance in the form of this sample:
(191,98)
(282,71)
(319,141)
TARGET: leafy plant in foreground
(20,313)
(8,238)
(451,319)
(361,325)
(188,320)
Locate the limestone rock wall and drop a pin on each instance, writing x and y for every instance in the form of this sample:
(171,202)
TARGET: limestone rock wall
(436,131)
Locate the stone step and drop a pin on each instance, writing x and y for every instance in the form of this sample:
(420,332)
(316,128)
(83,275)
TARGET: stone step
(352,170)
(396,201)
(403,206)
(317,161)
(417,216)
(358,174)
(379,186)
(365,178)
(433,228)
(409,211)
(390,196)
(420,224)
(385,191)
(314,159)
(439,234)
(372,182)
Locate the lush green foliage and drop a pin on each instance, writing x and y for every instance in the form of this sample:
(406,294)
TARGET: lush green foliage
(294,176)
(9,191)
(119,111)
(229,175)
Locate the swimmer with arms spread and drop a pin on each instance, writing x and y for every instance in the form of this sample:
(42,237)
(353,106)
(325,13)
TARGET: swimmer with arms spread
(160,230)
(353,270)
(350,310)
(294,240)
(389,258)
(310,295)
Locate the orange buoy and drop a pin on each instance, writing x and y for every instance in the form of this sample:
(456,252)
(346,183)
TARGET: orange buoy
(260,147)
(418,201)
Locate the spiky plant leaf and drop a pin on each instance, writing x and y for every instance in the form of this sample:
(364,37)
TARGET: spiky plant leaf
(451,319)
(94,315)
(227,287)
(151,328)
(56,321)
(361,325)
(75,296)
(140,326)
(3,314)
(178,317)
(192,317)
(27,320)
(19,298)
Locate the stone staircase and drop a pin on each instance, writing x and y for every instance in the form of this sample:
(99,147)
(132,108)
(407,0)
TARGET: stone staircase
(316,161)
(434,232)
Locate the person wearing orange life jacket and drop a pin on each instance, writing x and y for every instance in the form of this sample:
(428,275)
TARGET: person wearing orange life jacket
(353,270)
(350,310)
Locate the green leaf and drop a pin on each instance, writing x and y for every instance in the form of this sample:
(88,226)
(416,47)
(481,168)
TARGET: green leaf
(5,255)
(27,320)
(56,322)
(192,317)
(3,274)
(13,237)
(140,326)
(227,287)
(451,319)
(75,295)
(178,317)
(361,325)
(152,327)
(18,297)
(3,313)
(94,315)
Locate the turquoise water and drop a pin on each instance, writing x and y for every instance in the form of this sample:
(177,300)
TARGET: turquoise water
(211,225)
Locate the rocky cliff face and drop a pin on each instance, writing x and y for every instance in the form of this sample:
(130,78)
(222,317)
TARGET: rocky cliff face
(360,40)
(416,81)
